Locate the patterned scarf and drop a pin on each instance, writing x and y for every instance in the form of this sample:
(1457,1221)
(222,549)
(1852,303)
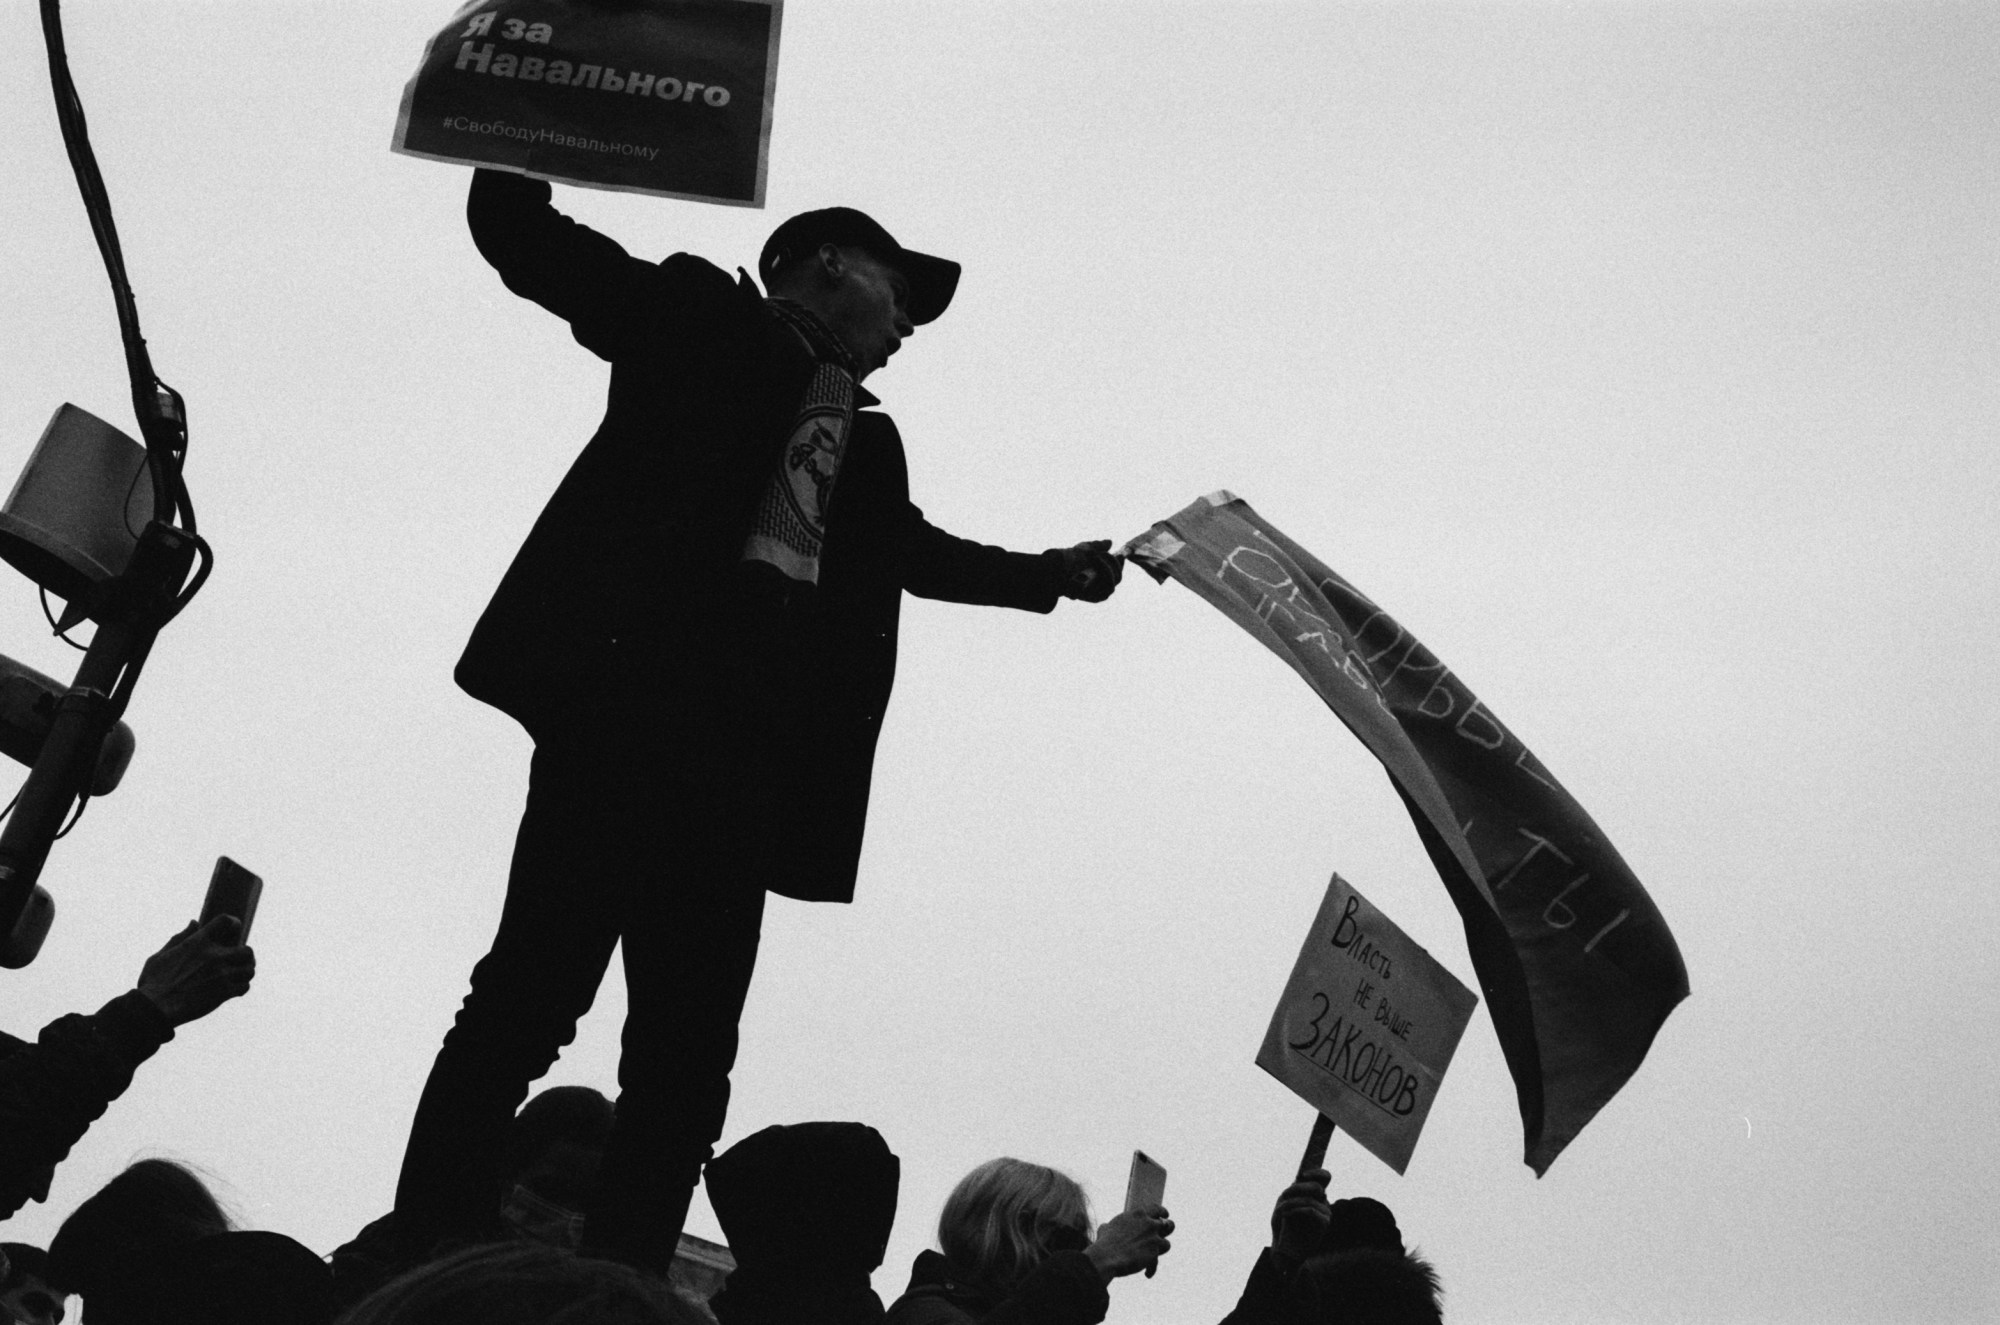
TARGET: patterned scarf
(788,530)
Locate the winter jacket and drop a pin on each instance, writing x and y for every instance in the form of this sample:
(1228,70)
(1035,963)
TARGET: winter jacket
(1065,1289)
(623,626)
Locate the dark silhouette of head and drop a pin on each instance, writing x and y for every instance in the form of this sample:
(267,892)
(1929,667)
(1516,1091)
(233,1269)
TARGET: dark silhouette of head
(114,1246)
(554,1153)
(573,1116)
(155,1203)
(806,1210)
(1361,1221)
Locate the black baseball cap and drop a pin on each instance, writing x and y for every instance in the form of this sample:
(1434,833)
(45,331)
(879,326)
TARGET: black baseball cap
(932,280)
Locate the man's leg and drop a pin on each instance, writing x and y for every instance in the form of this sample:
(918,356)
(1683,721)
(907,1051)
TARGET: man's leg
(689,948)
(557,929)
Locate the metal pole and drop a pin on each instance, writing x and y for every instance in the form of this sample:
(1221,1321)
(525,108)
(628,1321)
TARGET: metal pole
(134,606)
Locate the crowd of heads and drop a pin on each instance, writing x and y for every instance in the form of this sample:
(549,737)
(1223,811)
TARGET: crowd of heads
(153,1246)
(807,1211)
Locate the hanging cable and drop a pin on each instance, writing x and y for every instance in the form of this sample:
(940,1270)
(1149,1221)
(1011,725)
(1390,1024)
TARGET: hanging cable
(76,814)
(56,626)
(161,412)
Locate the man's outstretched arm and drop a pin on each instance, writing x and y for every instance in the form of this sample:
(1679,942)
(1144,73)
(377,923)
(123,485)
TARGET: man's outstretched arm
(958,570)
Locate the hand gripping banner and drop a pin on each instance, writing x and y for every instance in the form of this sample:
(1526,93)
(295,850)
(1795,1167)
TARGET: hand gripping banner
(649,96)
(1578,968)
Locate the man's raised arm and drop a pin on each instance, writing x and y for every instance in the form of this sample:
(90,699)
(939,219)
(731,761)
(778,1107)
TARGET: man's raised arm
(606,295)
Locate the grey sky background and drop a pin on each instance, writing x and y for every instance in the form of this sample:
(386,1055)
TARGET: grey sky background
(1639,358)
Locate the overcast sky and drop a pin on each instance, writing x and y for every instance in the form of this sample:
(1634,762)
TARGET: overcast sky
(1640,358)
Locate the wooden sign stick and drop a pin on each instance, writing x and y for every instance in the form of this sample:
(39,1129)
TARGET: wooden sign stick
(1315,1156)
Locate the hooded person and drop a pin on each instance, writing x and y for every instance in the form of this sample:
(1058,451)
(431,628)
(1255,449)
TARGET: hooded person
(806,1210)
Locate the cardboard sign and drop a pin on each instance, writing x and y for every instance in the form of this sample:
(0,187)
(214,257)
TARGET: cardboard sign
(671,97)
(1367,1026)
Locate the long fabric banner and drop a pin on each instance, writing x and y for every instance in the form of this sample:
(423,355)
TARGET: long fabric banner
(648,96)
(1578,968)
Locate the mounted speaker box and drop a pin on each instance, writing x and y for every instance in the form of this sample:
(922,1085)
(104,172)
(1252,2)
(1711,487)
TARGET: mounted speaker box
(78,508)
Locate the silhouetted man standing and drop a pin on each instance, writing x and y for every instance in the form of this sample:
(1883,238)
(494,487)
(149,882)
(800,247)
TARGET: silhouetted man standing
(700,635)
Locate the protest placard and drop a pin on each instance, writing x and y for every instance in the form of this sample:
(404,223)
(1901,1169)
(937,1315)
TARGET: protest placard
(1367,1025)
(671,97)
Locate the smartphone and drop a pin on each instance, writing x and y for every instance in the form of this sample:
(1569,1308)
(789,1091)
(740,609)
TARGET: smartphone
(1147,1185)
(232,891)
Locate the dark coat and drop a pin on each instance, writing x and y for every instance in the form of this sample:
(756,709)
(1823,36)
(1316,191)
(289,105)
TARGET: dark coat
(1065,1289)
(623,626)
(241,1277)
(1267,1297)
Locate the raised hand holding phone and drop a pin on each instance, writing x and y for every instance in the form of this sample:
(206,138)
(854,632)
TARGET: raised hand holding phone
(199,969)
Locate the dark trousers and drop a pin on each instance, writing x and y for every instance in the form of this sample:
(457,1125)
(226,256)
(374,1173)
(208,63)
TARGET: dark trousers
(603,858)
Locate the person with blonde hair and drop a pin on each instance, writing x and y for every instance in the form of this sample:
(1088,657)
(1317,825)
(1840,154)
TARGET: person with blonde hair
(1016,1247)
